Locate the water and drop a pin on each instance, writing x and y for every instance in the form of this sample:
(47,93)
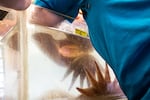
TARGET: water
(37,57)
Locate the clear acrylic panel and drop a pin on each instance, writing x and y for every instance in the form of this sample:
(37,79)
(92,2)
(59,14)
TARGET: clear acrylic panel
(51,63)
(11,32)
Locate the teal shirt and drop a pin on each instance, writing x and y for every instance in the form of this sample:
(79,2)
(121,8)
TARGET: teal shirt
(120,32)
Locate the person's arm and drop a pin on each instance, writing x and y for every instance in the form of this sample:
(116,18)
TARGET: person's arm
(43,16)
(15,4)
(52,12)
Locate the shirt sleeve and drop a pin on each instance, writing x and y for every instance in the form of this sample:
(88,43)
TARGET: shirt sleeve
(127,35)
(66,8)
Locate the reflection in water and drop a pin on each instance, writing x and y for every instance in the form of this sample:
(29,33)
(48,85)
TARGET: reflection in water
(76,53)
(72,51)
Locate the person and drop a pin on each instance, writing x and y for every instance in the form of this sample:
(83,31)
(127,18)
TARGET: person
(119,31)
(16,4)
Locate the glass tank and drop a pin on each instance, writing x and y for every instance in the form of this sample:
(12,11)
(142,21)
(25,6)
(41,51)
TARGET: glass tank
(53,63)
